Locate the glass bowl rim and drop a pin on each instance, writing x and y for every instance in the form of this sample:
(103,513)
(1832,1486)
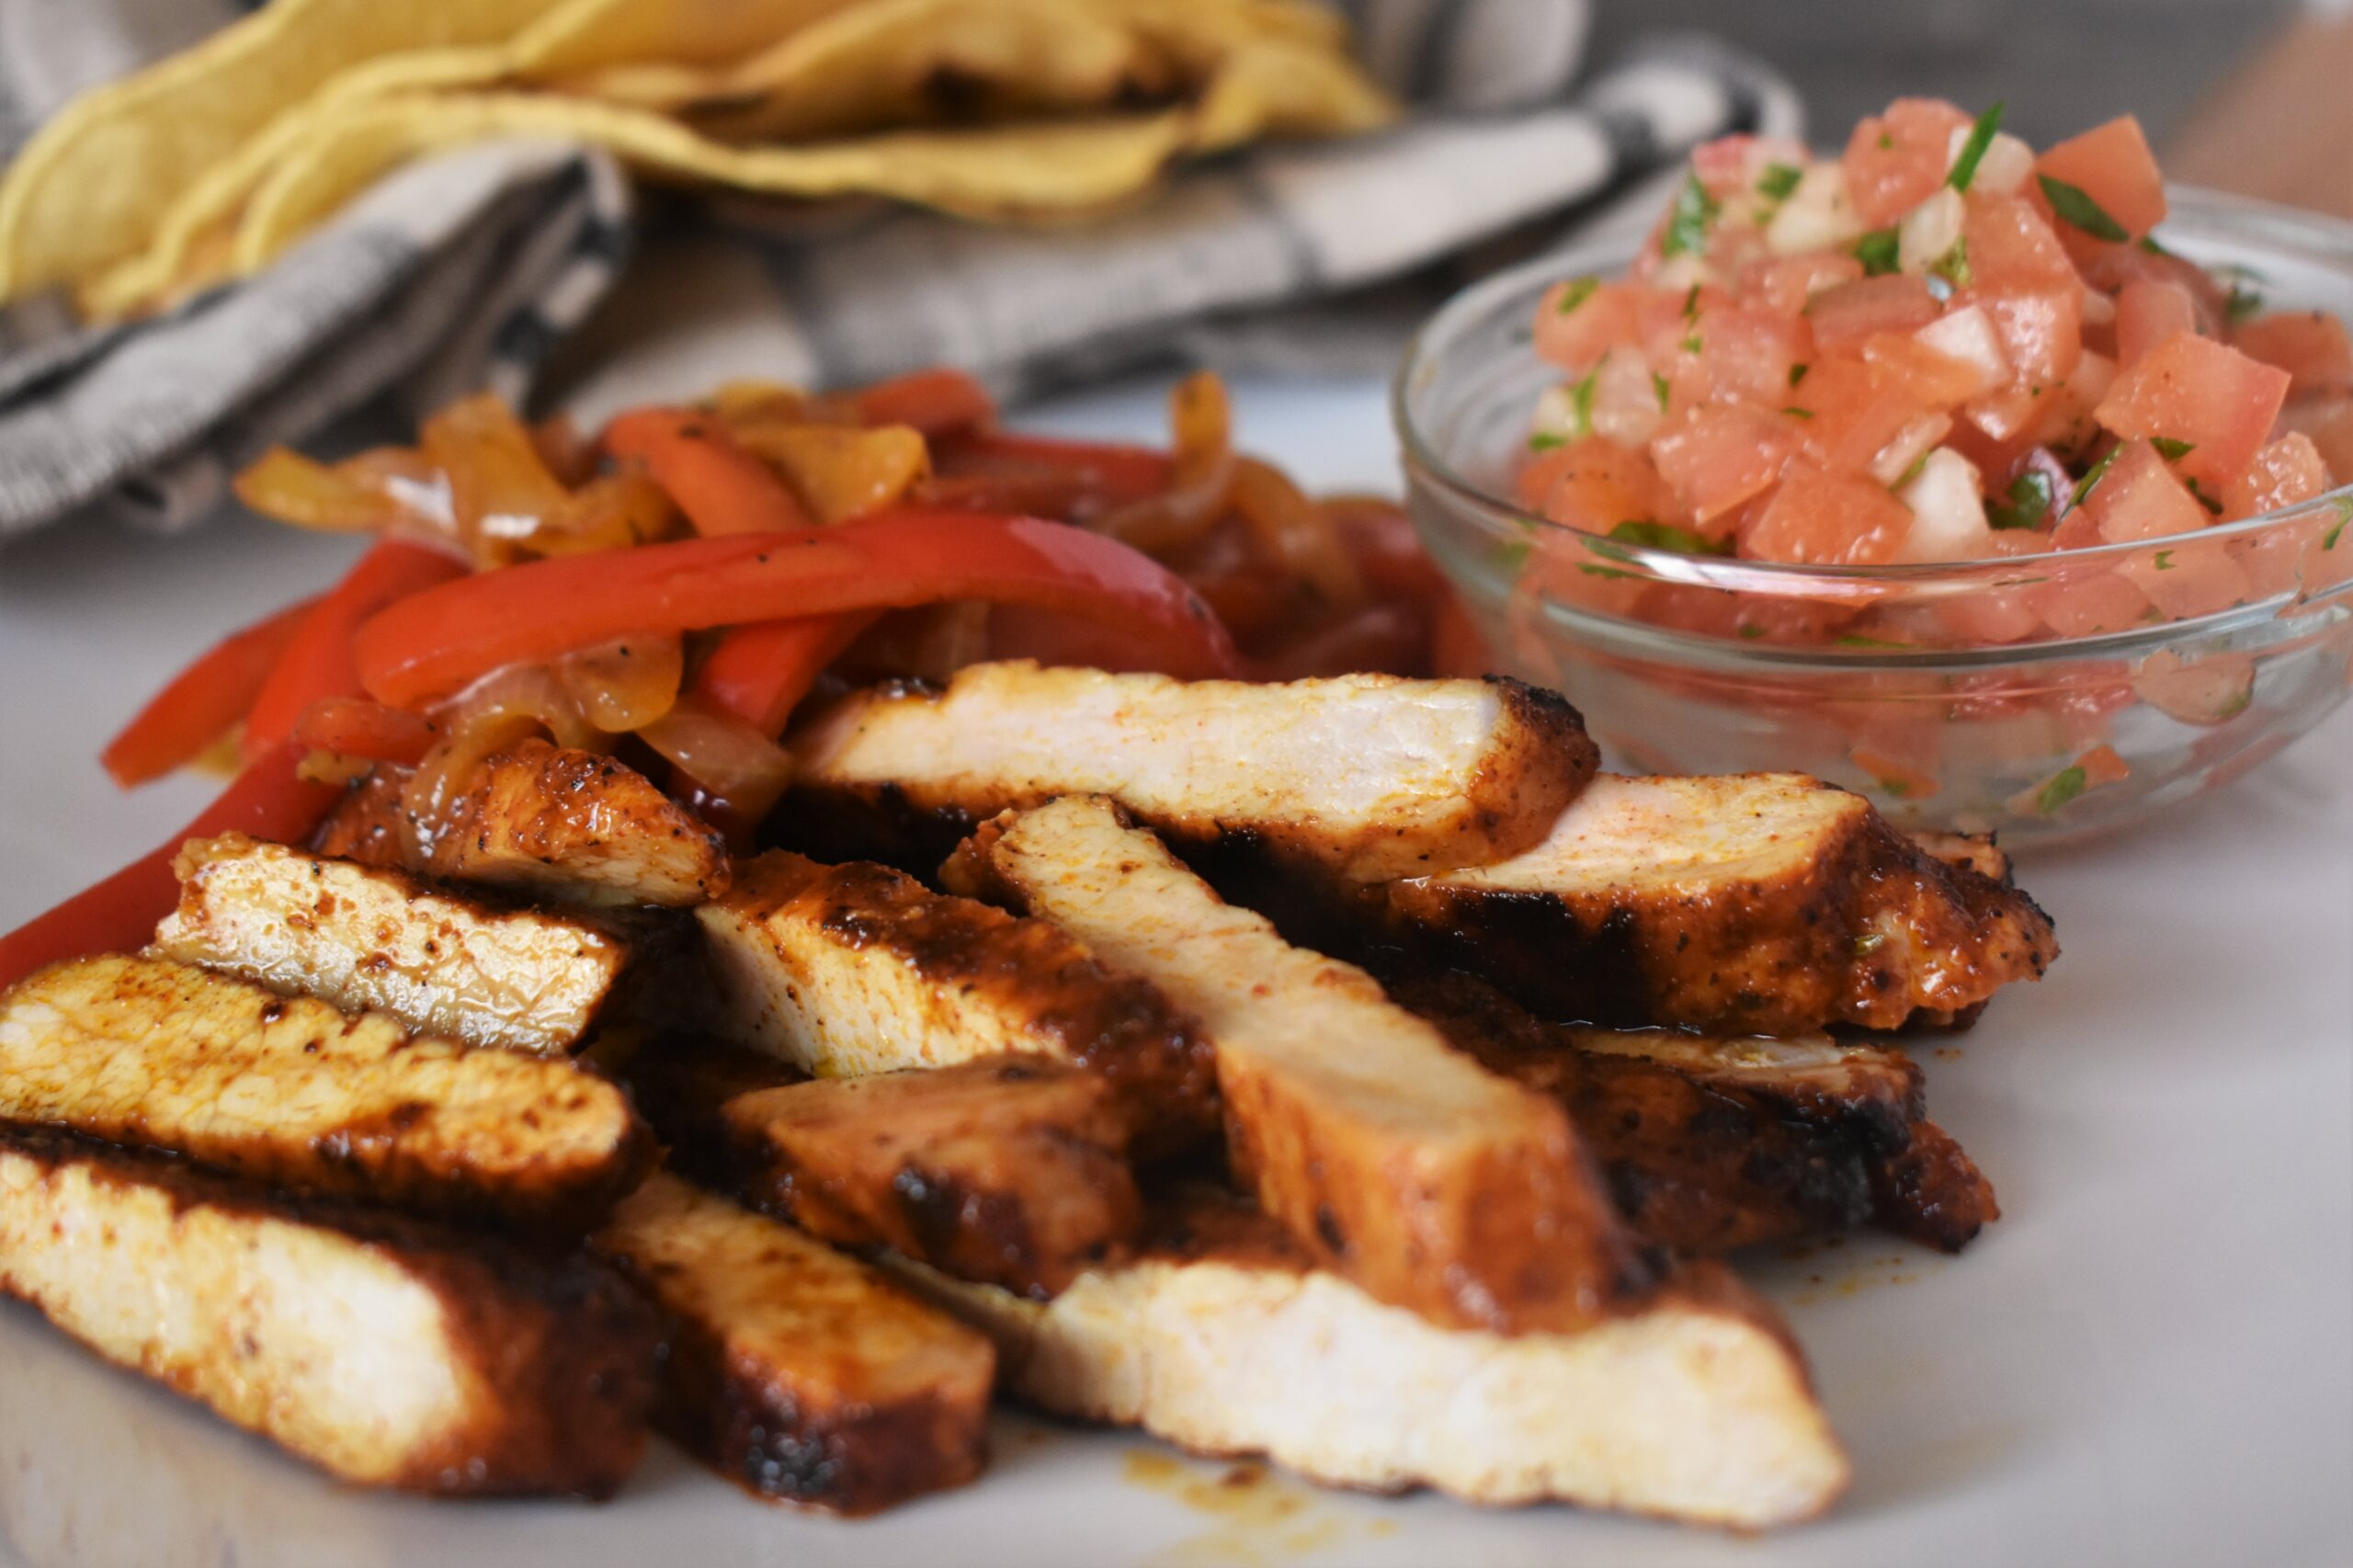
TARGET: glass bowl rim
(2326,242)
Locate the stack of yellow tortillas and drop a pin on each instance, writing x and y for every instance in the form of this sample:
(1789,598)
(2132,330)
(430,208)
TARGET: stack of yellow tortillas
(207,165)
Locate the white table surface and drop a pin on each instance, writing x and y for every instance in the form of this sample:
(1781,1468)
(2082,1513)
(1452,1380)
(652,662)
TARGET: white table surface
(2148,1360)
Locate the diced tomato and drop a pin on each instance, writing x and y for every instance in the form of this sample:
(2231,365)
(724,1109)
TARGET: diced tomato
(2101,765)
(1741,354)
(1717,456)
(2147,312)
(1857,408)
(2090,604)
(1595,484)
(2287,471)
(2329,422)
(2138,498)
(2195,577)
(2112,165)
(1785,283)
(1895,161)
(2118,265)
(2211,690)
(2311,346)
(1997,615)
(1601,319)
(1822,518)
(1844,316)
(2209,394)
(1926,376)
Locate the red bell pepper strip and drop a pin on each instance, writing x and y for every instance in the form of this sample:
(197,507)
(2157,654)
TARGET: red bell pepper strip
(318,661)
(356,727)
(935,402)
(1118,473)
(761,673)
(435,643)
(721,488)
(269,799)
(202,701)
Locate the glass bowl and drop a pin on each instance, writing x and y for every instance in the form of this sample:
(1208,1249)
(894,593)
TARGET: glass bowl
(1942,692)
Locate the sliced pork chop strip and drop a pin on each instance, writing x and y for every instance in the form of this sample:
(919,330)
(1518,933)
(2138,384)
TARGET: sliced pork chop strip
(1010,1170)
(146,1052)
(1761,903)
(364,937)
(541,819)
(1221,1338)
(386,1351)
(1432,1184)
(846,970)
(1368,776)
(793,1369)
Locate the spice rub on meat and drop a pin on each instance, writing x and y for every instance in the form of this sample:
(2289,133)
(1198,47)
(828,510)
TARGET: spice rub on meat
(795,1370)
(1222,1338)
(146,1052)
(539,820)
(847,969)
(1367,776)
(1399,1164)
(1010,1170)
(386,1351)
(1759,903)
(371,937)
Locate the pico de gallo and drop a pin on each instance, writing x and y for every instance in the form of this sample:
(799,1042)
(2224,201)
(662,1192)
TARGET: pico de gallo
(1937,346)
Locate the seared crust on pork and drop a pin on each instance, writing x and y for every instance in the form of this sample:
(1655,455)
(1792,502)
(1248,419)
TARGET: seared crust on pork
(1368,776)
(364,937)
(1761,903)
(386,1351)
(798,1373)
(544,821)
(1223,1340)
(1431,1183)
(855,969)
(1010,1170)
(287,1090)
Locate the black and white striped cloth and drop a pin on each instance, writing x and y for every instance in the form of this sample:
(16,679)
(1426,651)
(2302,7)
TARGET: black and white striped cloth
(530,269)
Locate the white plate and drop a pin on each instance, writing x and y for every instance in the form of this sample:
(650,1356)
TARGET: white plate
(2149,1360)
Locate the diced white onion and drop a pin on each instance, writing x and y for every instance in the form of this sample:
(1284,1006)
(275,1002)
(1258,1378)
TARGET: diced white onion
(1969,335)
(2003,167)
(1625,400)
(1816,215)
(2099,310)
(1929,232)
(1948,511)
(1556,413)
(1896,460)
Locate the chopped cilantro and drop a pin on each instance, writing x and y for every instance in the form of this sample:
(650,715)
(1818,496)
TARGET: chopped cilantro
(1797,373)
(1513,553)
(2203,499)
(2344,515)
(2029,501)
(1877,251)
(1579,290)
(1853,640)
(1750,633)
(1909,474)
(1779,180)
(2164,559)
(1691,304)
(1695,214)
(1544,441)
(1581,402)
(2172,450)
(1886,143)
(1973,152)
(1590,570)
(2064,785)
(1797,412)
(2149,244)
(2075,206)
(2098,471)
(1691,343)
(1953,266)
(1659,388)
(1668,536)
(2242,303)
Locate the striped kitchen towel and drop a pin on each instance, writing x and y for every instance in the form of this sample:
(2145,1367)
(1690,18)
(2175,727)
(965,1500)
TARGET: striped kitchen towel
(531,268)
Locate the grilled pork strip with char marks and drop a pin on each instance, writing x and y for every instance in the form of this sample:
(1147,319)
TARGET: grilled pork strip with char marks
(1713,1142)
(543,821)
(1428,1181)
(287,1090)
(1368,776)
(846,970)
(1221,1338)
(385,1351)
(369,938)
(1009,1170)
(793,1370)
(1766,903)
